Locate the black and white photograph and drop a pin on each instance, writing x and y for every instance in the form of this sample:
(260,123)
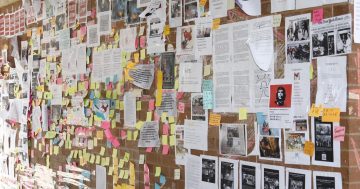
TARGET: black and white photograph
(296,181)
(209,171)
(197,107)
(233,139)
(298,53)
(118,11)
(190,10)
(175,8)
(323,182)
(103,5)
(298,30)
(343,43)
(323,141)
(271,179)
(323,44)
(167,67)
(248,177)
(60,21)
(203,32)
(227,175)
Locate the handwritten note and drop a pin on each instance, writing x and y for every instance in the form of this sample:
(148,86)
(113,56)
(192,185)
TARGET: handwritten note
(318,15)
(214,119)
(315,111)
(331,115)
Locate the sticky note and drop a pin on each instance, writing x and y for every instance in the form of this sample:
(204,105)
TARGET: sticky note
(157,171)
(136,57)
(138,106)
(159,80)
(129,135)
(311,72)
(207,70)
(176,174)
(139,125)
(164,140)
(157,186)
(102,151)
(165,149)
(151,105)
(136,133)
(149,149)
(181,107)
(163,117)
(243,114)
(339,133)
(162,179)
(126,157)
(171,119)
(276,20)
(202,2)
(214,119)
(309,148)
(141,159)
(315,111)
(148,116)
(166,30)
(216,23)
(142,54)
(317,16)
(331,115)
(165,129)
(172,140)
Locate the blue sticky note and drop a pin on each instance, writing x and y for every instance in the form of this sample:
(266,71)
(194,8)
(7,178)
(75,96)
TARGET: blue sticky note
(260,118)
(157,186)
(116,78)
(88,51)
(108,144)
(208,100)
(92,95)
(162,179)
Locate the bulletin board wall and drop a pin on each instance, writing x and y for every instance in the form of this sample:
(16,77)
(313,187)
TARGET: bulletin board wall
(350,148)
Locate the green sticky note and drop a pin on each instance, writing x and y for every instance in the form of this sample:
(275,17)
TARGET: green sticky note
(157,171)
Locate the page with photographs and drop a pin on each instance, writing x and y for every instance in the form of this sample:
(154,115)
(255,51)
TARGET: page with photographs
(203,36)
(193,171)
(298,41)
(280,106)
(332,82)
(299,75)
(180,150)
(209,172)
(332,37)
(185,40)
(155,41)
(103,6)
(298,178)
(294,148)
(229,173)
(269,139)
(191,10)
(272,176)
(323,179)
(118,11)
(327,150)
(104,22)
(93,36)
(175,13)
(142,3)
(233,139)
(250,175)
(197,107)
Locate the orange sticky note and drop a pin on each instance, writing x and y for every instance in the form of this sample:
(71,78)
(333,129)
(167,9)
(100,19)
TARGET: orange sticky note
(309,148)
(203,2)
(214,119)
(331,115)
(216,23)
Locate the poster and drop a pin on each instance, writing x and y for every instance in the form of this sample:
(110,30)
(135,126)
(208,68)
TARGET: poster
(180,150)
(196,134)
(298,41)
(168,68)
(269,139)
(190,76)
(294,148)
(149,135)
(191,10)
(103,5)
(323,179)
(118,11)
(233,139)
(175,13)
(133,12)
(203,36)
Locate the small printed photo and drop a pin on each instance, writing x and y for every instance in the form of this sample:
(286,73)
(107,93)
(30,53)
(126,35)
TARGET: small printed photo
(208,170)
(248,177)
(343,43)
(60,22)
(269,147)
(197,107)
(133,12)
(227,175)
(203,32)
(280,96)
(191,10)
(295,142)
(301,125)
(101,109)
(323,44)
(271,179)
(298,53)
(175,8)
(298,30)
(103,5)
(187,40)
(265,130)
(296,181)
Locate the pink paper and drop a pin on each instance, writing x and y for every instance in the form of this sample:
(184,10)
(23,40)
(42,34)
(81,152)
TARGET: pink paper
(339,133)
(123,134)
(165,149)
(149,149)
(152,105)
(318,15)
(115,142)
(137,43)
(105,124)
(165,130)
(59,81)
(108,134)
(142,41)
(156,117)
(83,30)
(181,107)
(93,13)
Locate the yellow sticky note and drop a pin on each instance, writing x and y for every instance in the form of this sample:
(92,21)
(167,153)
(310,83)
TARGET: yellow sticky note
(148,116)
(172,129)
(243,114)
(202,2)
(216,23)
(214,119)
(315,111)
(159,79)
(277,20)
(309,148)
(157,171)
(172,140)
(100,135)
(311,71)
(136,133)
(56,150)
(121,175)
(136,57)
(92,159)
(98,159)
(163,117)
(138,106)
(114,153)
(164,140)
(129,135)
(121,105)
(166,30)
(102,151)
(171,119)
(126,157)
(331,115)
(139,125)
(207,70)
(142,54)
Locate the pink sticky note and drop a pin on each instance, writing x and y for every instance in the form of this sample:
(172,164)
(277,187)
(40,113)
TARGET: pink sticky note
(149,149)
(165,149)
(93,13)
(105,124)
(108,134)
(179,95)
(152,105)
(142,41)
(165,130)
(59,81)
(47,148)
(156,117)
(115,142)
(137,43)
(339,133)
(318,15)
(109,87)
(123,134)
(86,84)
(181,107)
(83,30)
